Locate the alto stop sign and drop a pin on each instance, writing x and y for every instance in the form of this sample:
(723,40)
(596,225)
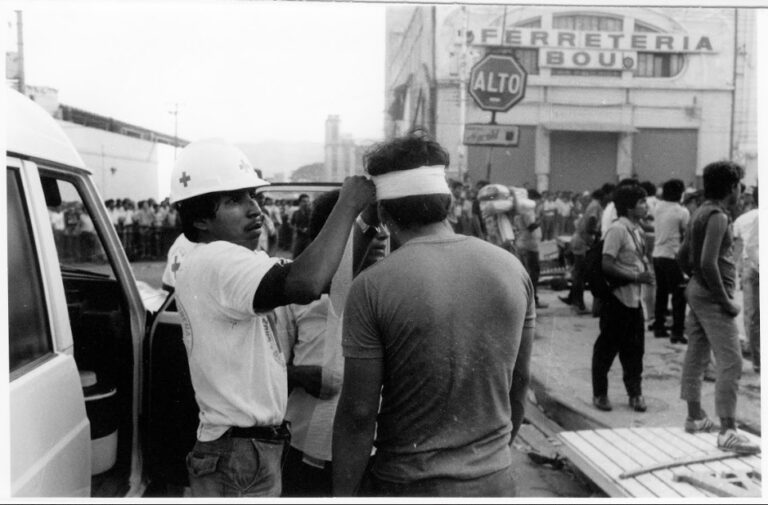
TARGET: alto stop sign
(497,82)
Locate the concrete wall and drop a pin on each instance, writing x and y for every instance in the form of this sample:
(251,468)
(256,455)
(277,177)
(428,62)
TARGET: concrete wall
(123,167)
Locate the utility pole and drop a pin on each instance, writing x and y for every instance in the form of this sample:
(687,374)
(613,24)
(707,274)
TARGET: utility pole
(21,85)
(463,92)
(175,113)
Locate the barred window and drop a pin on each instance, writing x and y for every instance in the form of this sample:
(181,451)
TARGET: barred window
(588,23)
(659,64)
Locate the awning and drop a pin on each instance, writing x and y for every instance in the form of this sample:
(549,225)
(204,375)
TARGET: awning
(589,127)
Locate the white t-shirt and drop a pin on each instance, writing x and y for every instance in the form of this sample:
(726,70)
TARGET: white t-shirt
(310,335)
(747,230)
(609,216)
(235,363)
(180,247)
(669,222)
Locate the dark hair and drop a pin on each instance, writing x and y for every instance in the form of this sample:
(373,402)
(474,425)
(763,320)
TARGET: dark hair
(626,197)
(719,178)
(321,209)
(672,190)
(414,150)
(754,195)
(629,181)
(598,194)
(649,187)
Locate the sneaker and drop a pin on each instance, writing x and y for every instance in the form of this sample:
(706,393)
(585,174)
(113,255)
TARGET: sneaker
(564,299)
(731,440)
(703,425)
(541,305)
(602,403)
(638,403)
(580,311)
(678,339)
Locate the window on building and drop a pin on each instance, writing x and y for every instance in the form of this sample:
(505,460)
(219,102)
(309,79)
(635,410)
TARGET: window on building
(587,23)
(29,333)
(659,64)
(651,64)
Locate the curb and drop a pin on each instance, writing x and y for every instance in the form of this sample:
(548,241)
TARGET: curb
(573,418)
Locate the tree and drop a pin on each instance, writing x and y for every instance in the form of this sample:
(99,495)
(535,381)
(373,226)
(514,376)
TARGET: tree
(309,173)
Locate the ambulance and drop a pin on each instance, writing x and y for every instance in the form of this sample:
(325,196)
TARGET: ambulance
(100,399)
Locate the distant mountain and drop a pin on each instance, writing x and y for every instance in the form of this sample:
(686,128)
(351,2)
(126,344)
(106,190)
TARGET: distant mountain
(274,157)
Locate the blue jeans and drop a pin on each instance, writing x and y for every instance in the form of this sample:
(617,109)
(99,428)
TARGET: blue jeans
(751,286)
(236,467)
(711,330)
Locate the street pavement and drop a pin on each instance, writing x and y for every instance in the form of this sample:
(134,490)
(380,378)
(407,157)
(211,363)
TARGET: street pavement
(561,376)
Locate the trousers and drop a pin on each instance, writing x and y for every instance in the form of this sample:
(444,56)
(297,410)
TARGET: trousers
(236,467)
(669,281)
(622,333)
(711,330)
(499,484)
(751,286)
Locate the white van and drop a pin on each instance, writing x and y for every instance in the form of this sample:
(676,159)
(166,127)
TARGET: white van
(101,402)
(83,410)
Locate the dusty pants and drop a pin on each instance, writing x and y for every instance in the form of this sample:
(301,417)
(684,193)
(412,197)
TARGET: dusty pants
(710,329)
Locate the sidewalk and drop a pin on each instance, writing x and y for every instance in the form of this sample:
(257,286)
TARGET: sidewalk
(562,383)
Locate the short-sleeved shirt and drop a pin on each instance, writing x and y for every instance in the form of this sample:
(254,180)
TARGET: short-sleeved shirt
(628,251)
(747,230)
(237,370)
(446,316)
(309,335)
(670,220)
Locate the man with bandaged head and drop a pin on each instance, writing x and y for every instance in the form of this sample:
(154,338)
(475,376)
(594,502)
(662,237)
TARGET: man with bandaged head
(437,341)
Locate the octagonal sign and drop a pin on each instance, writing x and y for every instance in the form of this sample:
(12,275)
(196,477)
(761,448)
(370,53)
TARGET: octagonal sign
(497,82)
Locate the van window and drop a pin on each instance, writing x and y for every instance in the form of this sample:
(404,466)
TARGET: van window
(29,328)
(77,241)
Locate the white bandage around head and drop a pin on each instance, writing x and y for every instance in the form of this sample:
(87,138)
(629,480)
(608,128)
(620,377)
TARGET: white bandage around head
(417,181)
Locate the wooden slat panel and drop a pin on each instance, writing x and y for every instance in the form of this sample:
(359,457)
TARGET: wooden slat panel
(673,446)
(659,455)
(703,443)
(604,454)
(634,459)
(738,464)
(598,467)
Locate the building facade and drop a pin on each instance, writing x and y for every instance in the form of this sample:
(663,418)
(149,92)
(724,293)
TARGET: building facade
(612,92)
(343,154)
(127,161)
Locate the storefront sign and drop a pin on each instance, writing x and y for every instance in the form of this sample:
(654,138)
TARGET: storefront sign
(588,60)
(604,41)
(478,134)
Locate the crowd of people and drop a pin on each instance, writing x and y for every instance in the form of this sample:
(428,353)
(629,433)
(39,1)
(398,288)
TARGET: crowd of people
(335,373)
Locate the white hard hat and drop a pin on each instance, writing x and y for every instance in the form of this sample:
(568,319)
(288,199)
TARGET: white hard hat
(211,165)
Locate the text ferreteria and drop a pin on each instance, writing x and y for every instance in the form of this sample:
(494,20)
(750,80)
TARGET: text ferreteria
(572,39)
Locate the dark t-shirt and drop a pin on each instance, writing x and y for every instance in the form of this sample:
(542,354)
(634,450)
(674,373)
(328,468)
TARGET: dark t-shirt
(446,316)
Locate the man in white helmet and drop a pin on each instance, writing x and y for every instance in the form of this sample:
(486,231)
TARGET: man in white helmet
(224,291)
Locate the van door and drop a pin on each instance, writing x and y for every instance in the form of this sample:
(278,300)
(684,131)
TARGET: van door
(98,324)
(170,408)
(49,430)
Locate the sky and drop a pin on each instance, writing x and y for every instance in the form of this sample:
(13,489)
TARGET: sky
(246,71)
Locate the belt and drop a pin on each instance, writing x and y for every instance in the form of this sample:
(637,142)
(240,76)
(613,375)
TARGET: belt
(277,432)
